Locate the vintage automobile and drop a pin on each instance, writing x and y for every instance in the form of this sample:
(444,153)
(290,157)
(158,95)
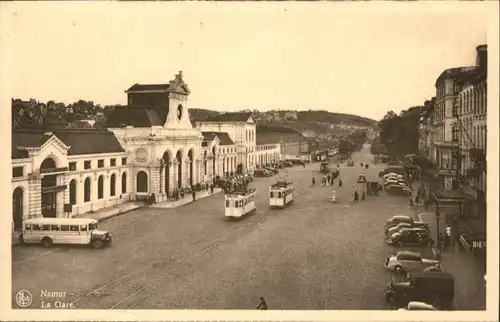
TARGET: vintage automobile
(361,178)
(396,220)
(415,224)
(248,177)
(406,261)
(350,163)
(398,190)
(435,288)
(272,170)
(418,306)
(411,236)
(372,188)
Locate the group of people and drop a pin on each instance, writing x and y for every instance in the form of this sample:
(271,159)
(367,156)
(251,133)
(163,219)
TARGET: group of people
(420,199)
(231,185)
(356,195)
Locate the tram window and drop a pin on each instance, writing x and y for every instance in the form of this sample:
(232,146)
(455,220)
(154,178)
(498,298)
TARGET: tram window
(27,227)
(64,228)
(83,227)
(73,227)
(227,203)
(37,227)
(56,228)
(46,227)
(279,194)
(271,194)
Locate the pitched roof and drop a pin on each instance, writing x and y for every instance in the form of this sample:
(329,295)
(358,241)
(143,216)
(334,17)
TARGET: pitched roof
(230,117)
(177,85)
(453,73)
(137,116)
(81,141)
(224,138)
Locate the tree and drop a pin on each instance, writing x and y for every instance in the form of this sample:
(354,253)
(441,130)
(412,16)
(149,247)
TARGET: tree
(399,133)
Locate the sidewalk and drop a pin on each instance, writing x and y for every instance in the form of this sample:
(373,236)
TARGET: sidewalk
(187,199)
(468,270)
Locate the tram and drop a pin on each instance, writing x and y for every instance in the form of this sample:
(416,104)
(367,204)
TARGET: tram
(240,202)
(281,194)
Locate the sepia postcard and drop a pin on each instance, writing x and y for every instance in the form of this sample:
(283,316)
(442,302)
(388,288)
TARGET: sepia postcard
(249,161)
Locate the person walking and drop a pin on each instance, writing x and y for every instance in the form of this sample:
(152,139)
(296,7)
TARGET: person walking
(356,196)
(193,192)
(411,203)
(313,181)
(449,239)
(262,305)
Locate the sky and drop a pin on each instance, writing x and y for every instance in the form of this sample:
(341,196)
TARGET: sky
(347,58)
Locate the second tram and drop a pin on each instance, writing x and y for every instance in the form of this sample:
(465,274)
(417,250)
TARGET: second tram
(281,194)
(240,202)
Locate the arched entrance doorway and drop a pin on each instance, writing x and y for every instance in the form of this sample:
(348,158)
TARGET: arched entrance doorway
(191,167)
(49,196)
(178,157)
(166,161)
(17,207)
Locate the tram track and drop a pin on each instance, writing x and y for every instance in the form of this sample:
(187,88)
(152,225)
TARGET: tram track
(136,286)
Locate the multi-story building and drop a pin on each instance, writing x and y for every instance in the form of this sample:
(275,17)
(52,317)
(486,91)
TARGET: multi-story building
(221,145)
(268,153)
(241,127)
(446,136)
(63,173)
(292,143)
(426,143)
(471,115)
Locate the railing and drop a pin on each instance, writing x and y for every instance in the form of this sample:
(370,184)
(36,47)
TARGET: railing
(53,189)
(53,170)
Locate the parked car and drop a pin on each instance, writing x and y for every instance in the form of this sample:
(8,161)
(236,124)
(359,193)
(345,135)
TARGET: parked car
(288,164)
(414,224)
(260,173)
(435,288)
(398,190)
(411,236)
(220,183)
(361,178)
(393,221)
(273,170)
(405,261)
(248,177)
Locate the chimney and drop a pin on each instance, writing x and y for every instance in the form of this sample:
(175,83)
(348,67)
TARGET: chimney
(180,74)
(482,57)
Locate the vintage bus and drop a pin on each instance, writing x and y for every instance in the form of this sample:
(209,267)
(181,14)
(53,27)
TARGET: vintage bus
(49,231)
(240,202)
(281,194)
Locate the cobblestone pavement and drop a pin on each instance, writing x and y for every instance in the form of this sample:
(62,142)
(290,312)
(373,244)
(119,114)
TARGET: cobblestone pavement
(312,255)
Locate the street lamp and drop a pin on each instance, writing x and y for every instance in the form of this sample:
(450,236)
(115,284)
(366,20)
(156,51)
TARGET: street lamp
(438,242)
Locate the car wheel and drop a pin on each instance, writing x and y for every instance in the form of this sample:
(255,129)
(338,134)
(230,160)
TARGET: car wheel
(46,242)
(97,244)
(399,269)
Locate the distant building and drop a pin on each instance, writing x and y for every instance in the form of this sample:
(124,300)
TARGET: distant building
(292,143)
(240,126)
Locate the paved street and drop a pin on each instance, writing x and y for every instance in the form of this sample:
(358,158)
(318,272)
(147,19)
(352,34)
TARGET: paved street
(313,255)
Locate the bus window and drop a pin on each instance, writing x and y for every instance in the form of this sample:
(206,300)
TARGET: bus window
(64,228)
(83,227)
(37,227)
(56,228)
(46,227)
(27,227)
(73,227)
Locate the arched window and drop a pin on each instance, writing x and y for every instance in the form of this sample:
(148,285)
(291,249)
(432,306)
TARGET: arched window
(124,182)
(100,187)
(72,192)
(17,207)
(112,185)
(142,182)
(86,188)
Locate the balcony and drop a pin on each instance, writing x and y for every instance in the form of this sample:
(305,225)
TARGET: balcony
(54,170)
(53,189)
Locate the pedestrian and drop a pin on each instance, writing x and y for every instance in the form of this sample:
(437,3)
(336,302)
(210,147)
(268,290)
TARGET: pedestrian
(356,196)
(340,182)
(411,203)
(212,188)
(262,305)
(193,192)
(363,196)
(313,181)
(426,203)
(449,239)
